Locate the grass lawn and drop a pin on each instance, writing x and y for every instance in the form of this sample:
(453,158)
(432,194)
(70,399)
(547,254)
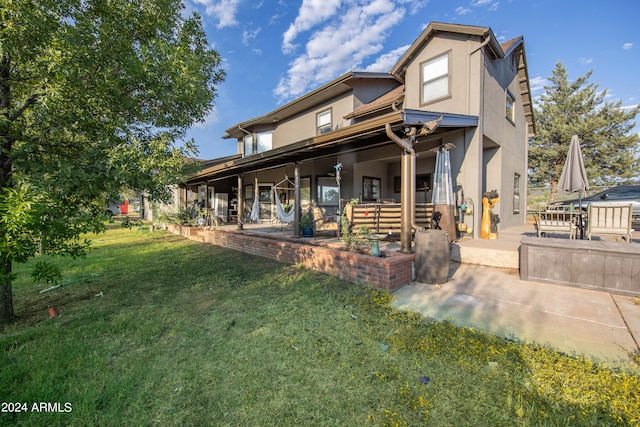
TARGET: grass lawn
(158,330)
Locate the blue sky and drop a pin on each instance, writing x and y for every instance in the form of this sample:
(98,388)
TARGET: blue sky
(277,50)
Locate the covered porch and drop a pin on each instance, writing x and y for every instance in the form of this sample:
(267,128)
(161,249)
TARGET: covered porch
(363,163)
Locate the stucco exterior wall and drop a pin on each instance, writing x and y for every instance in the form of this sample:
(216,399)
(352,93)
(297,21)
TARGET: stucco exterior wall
(460,79)
(507,136)
(304,125)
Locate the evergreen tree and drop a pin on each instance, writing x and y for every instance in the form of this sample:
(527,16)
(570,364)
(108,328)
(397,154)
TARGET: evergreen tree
(566,108)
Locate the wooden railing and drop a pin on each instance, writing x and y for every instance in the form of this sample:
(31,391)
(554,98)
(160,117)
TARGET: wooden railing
(386,217)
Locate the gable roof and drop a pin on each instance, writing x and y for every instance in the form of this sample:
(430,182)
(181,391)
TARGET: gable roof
(394,96)
(494,50)
(439,27)
(312,99)
(513,46)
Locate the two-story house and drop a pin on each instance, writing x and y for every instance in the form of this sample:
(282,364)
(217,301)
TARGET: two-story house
(461,75)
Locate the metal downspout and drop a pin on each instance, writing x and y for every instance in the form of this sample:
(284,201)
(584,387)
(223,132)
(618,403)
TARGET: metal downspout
(408,190)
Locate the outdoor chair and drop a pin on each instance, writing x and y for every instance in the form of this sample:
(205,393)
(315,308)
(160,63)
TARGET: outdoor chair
(324,223)
(556,219)
(610,220)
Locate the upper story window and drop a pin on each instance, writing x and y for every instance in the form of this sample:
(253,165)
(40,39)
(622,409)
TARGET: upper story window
(258,143)
(248,145)
(264,142)
(510,106)
(323,121)
(435,79)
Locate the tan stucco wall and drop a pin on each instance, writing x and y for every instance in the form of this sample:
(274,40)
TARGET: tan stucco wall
(460,81)
(486,158)
(303,126)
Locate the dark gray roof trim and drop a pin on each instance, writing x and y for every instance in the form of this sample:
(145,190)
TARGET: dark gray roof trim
(418,117)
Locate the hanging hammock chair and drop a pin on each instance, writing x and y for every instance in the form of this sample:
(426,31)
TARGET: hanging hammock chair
(255,209)
(280,213)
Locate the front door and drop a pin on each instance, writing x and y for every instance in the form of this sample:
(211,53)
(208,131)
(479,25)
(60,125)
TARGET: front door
(265,196)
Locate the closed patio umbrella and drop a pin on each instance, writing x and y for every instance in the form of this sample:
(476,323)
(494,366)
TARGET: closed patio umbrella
(574,175)
(442,183)
(442,196)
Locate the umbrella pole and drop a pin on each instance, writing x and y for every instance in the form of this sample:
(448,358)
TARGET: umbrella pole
(580,223)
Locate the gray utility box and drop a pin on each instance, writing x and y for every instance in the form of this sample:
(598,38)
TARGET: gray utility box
(432,256)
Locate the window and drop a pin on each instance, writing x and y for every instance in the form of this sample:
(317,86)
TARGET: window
(323,121)
(327,191)
(510,112)
(248,193)
(264,142)
(435,79)
(370,188)
(248,145)
(424,183)
(305,191)
(516,193)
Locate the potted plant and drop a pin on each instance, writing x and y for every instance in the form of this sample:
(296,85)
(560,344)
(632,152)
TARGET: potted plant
(306,224)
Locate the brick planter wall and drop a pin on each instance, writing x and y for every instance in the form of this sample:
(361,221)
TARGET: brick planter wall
(389,272)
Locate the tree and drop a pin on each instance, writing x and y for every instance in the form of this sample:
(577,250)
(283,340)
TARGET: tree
(95,96)
(566,108)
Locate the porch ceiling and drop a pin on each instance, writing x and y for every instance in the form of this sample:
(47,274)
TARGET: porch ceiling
(361,136)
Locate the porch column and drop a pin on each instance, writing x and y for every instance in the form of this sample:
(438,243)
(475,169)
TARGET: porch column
(296,200)
(240,203)
(186,197)
(406,203)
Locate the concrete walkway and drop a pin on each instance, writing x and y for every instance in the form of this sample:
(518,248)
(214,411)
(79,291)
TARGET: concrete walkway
(576,321)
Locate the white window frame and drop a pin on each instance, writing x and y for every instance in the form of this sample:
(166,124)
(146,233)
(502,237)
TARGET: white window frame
(322,124)
(510,106)
(435,75)
(516,193)
(264,142)
(248,145)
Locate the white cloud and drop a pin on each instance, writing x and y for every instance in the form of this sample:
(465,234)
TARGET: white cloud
(414,5)
(584,60)
(492,5)
(224,10)
(462,10)
(311,13)
(629,107)
(357,32)
(537,84)
(386,61)
(247,36)
(210,119)
(627,46)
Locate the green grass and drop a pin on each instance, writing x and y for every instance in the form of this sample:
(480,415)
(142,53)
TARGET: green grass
(193,334)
